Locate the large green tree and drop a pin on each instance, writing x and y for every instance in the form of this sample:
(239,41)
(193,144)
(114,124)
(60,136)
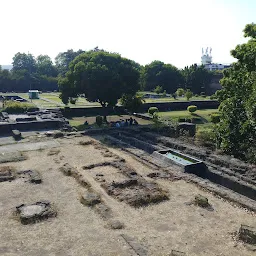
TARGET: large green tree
(159,74)
(99,76)
(197,79)
(23,61)
(63,60)
(236,133)
(45,66)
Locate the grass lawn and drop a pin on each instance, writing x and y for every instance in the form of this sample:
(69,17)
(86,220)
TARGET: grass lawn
(52,100)
(175,115)
(203,116)
(169,99)
(78,122)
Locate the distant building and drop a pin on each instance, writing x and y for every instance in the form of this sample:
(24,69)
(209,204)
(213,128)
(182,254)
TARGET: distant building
(206,60)
(33,94)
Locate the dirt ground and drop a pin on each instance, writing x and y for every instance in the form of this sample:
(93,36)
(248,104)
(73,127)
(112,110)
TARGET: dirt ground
(79,230)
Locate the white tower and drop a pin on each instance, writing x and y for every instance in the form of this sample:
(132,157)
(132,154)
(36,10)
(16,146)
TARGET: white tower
(206,56)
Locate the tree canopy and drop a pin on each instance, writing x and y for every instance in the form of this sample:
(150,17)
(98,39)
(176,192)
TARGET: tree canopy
(100,76)
(197,78)
(236,133)
(159,74)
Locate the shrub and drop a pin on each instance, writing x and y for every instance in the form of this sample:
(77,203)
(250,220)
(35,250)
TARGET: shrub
(202,94)
(180,92)
(152,110)
(14,107)
(99,120)
(213,97)
(196,95)
(164,93)
(206,137)
(188,94)
(215,118)
(158,89)
(192,108)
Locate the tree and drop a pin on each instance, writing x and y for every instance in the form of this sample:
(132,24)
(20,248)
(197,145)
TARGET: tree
(159,74)
(100,76)
(158,89)
(236,131)
(131,102)
(45,66)
(180,92)
(197,78)
(63,60)
(23,61)
(188,94)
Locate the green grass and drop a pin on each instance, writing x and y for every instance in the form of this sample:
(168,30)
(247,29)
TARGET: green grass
(175,115)
(203,116)
(169,99)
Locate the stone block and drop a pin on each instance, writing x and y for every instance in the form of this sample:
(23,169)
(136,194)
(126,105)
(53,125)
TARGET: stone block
(247,234)
(16,134)
(90,199)
(6,174)
(33,213)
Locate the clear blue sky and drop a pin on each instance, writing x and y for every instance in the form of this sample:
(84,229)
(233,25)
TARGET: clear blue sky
(173,31)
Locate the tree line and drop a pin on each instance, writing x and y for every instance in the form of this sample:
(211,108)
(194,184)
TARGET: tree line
(42,74)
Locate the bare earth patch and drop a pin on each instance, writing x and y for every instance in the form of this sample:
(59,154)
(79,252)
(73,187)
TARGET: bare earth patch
(109,224)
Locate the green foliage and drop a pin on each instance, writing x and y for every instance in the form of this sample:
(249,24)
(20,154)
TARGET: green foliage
(158,89)
(236,131)
(101,77)
(192,108)
(14,107)
(159,74)
(215,118)
(213,97)
(152,110)
(188,94)
(99,120)
(164,93)
(206,137)
(180,92)
(131,102)
(196,78)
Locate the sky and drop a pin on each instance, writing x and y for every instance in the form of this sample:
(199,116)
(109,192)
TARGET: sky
(172,31)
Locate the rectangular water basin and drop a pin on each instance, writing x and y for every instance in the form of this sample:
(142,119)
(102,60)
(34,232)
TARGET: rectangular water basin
(190,164)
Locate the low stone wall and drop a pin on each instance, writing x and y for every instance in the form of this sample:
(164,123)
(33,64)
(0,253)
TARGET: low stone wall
(93,111)
(180,105)
(6,128)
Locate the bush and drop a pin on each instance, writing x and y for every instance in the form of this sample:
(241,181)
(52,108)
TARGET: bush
(158,89)
(188,94)
(213,97)
(14,107)
(99,120)
(180,92)
(152,110)
(192,108)
(215,118)
(206,137)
